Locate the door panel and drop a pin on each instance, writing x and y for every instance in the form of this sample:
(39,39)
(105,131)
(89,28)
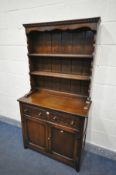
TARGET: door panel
(62,142)
(36,133)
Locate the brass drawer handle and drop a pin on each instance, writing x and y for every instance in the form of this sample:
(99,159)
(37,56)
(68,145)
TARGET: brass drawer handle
(26,110)
(72,122)
(54,118)
(39,113)
(87,102)
(26,115)
(61,131)
(85,107)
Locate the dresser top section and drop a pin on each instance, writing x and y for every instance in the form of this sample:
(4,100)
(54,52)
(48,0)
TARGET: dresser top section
(64,25)
(73,21)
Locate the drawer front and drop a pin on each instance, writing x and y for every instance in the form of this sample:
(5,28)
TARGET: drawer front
(53,116)
(65,120)
(36,112)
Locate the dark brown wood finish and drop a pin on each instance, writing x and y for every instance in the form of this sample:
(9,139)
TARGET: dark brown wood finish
(54,113)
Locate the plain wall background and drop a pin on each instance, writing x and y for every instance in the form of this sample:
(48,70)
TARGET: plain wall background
(14,78)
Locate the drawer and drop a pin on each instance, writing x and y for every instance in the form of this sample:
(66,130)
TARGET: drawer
(66,119)
(31,111)
(53,116)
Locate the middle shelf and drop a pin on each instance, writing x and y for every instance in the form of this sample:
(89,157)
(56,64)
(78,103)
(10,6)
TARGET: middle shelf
(61,75)
(89,56)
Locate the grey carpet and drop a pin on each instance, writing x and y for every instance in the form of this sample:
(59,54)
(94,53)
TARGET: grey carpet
(15,160)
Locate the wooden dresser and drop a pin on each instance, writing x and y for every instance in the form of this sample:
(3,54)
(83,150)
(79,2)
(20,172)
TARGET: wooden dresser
(54,113)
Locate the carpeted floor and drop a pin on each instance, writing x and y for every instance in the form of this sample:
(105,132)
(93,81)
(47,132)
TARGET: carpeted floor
(15,160)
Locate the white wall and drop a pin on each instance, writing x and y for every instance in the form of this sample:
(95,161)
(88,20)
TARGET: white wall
(14,79)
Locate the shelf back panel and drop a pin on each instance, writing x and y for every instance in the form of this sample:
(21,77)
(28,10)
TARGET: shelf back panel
(63,85)
(66,42)
(62,65)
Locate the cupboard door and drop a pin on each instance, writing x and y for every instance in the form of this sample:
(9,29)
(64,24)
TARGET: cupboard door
(63,144)
(36,134)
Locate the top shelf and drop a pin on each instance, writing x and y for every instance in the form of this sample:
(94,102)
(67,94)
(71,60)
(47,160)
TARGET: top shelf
(61,55)
(88,23)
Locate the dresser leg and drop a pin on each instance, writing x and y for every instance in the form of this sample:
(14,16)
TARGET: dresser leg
(77,165)
(25,147)
(25,143)
(77,168)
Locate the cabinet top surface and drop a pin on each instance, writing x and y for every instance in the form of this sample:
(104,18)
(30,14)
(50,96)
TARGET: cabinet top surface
(75,105)
(73,21)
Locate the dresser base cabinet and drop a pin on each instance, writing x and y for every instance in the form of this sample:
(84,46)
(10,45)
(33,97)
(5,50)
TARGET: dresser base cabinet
(54,113)
(47,134)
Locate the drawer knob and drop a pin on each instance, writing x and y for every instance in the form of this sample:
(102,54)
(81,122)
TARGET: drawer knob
(61,131)
(47,113)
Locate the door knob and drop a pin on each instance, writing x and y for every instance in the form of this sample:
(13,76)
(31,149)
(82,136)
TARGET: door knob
(48,138)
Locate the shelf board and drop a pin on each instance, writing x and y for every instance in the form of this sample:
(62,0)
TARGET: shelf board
(61,75)
(61,55)
(55,100)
